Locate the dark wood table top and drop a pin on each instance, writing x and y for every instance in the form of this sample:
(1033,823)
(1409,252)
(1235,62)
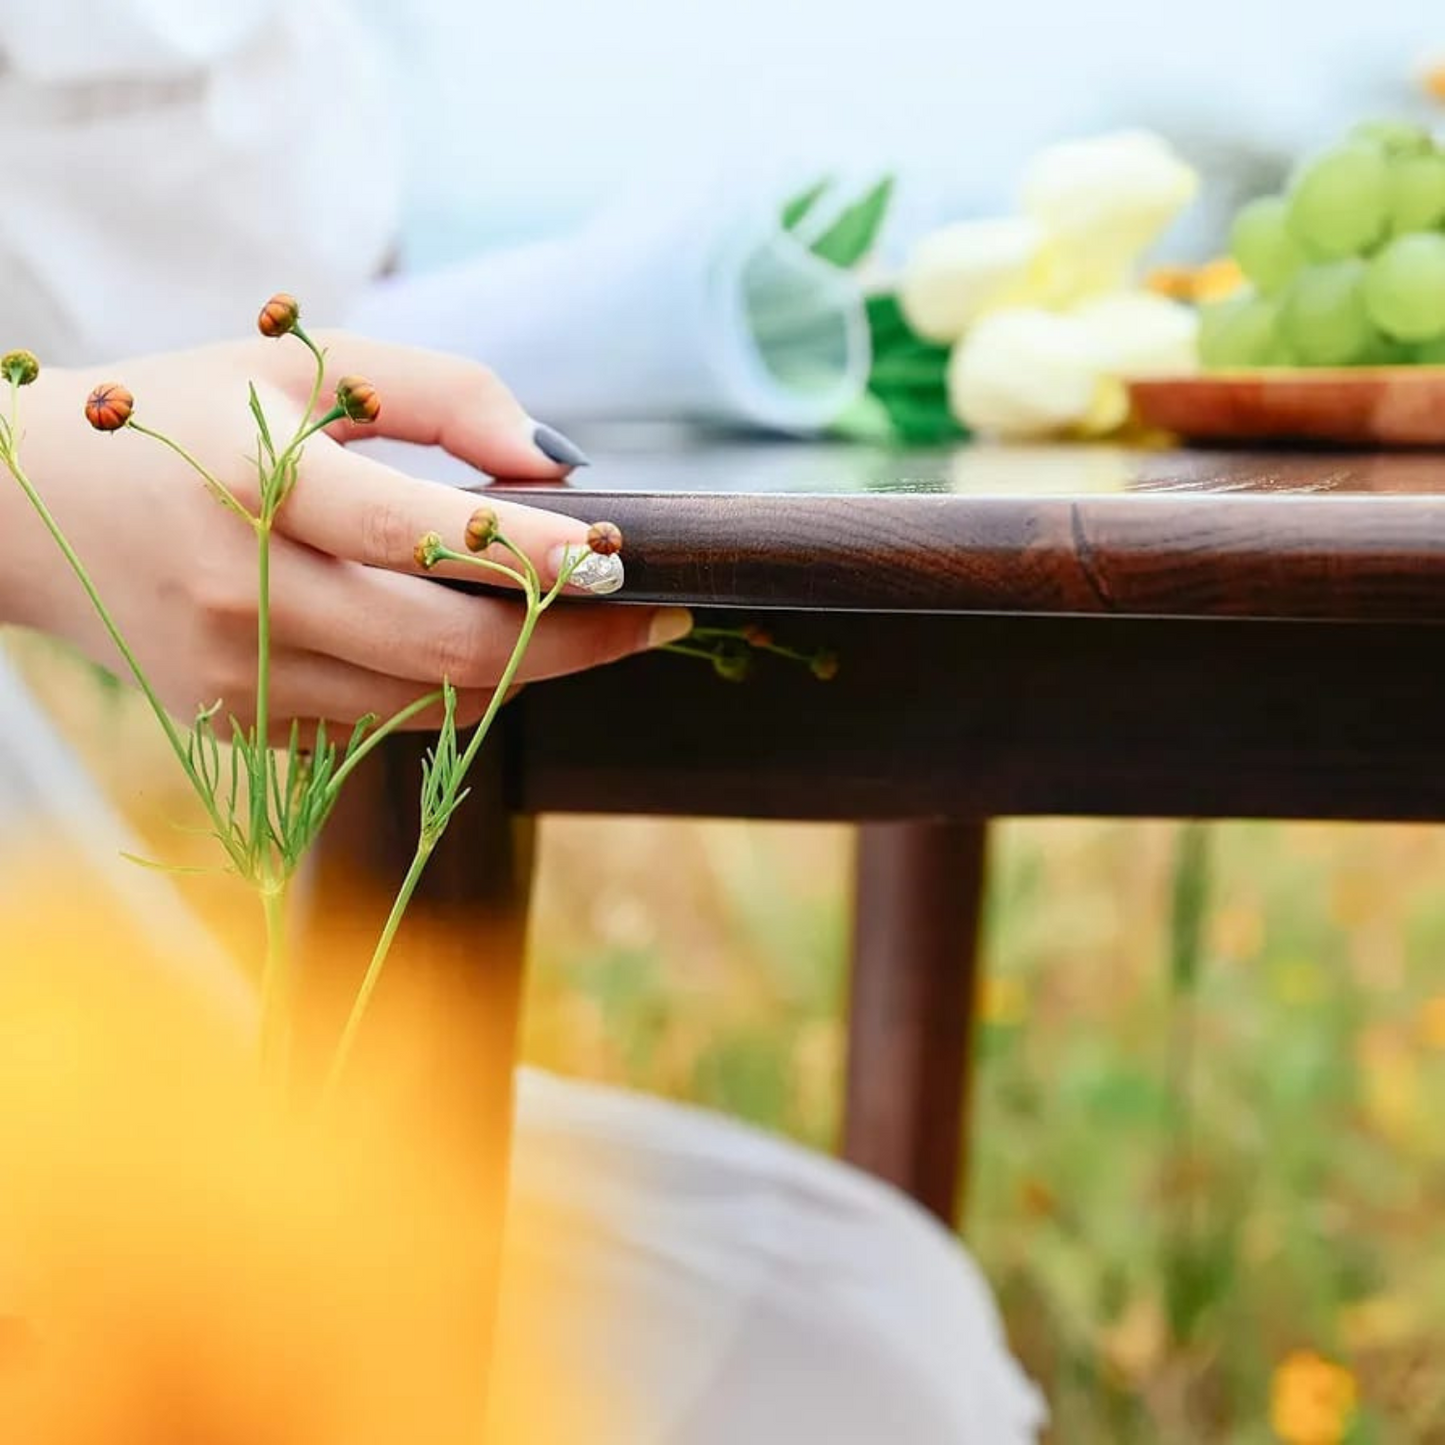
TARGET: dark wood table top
(1064,530)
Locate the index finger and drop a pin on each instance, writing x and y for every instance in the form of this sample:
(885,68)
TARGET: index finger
(353,506)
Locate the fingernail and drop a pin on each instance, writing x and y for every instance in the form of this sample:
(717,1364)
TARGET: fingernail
(594,573)
(557,448)
(669,624)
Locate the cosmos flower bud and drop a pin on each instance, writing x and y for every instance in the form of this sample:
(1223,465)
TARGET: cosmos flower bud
(358,399)
(482,529)
(755,635)
(428,552)
(279,315)
(733,666)
(824,666)
(109,406)
(604,538)
(20,368)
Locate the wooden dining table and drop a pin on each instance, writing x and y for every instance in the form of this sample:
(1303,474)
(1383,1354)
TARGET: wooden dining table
(1030,630)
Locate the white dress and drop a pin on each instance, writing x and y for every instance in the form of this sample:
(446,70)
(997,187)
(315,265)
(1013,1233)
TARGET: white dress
(763,1293)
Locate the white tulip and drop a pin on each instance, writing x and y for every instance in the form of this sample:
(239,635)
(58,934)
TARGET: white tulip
(1137,333)
(1024,372)
(956,274)
(1114,194)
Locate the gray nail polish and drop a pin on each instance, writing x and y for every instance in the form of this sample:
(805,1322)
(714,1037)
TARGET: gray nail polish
(557,448)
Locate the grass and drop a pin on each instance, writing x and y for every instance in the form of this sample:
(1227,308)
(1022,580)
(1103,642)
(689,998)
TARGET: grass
(1179,1178)
(1186,1168)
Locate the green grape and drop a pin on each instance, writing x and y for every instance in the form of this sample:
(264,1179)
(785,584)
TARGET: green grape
(1262,243)
(1240,331)
(1405,287)
(1339,204)
(1382,351)
(1323,317)
(1417,192)
(1398,137)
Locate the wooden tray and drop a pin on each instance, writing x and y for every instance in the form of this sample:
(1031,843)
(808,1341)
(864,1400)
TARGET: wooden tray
(1391,406)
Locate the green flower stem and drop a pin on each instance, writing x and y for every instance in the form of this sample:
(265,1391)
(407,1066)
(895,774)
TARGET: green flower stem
(374,969)
(217,488)
(299,332)
(260,796)
(427,843)
(518,579)
(173,736)
(390,726)
(275,989)
(335,414)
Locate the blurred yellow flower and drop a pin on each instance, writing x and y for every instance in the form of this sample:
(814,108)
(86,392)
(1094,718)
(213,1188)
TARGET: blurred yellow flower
(1217,279)
(1390,1085)
(1312,1401)
(1175,282)
(1212,281)
(1002,1001)
(1432,1022)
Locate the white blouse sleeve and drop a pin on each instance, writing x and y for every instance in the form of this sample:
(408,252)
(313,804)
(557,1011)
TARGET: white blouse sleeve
(166,166)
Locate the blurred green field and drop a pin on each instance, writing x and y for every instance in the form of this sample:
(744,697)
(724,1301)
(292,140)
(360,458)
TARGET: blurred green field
(1187,1171)
(1182,1177)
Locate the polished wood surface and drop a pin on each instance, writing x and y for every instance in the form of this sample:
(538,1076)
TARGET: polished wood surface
(1063,530)
(919,890)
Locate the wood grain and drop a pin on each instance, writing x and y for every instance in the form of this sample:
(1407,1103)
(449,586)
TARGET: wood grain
(910,1018)
(1191,535)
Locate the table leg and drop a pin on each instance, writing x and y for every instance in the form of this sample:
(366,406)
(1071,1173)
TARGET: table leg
(919,888)
(451,998)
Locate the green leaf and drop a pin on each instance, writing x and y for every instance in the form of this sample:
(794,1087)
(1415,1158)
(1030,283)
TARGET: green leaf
(852,235)
(155,867)
(261,425)
(886,321)
(921,419)
(910,367)
(796,211)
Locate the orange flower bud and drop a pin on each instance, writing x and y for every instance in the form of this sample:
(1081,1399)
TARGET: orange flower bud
(357,398)
(428,551)
(756,635)
(279,315)
(482,529)
(109,406)
(604,538)
(824,666)
(19,367)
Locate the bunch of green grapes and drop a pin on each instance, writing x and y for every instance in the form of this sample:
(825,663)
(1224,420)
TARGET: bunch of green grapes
(1347,267)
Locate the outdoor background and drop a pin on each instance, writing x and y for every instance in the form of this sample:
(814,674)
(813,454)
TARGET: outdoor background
(1187,1171)
(1193,1163)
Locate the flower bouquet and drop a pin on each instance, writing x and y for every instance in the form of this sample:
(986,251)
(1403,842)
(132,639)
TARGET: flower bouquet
(1026,326)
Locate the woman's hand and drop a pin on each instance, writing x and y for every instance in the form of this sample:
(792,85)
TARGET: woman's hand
(355,627)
